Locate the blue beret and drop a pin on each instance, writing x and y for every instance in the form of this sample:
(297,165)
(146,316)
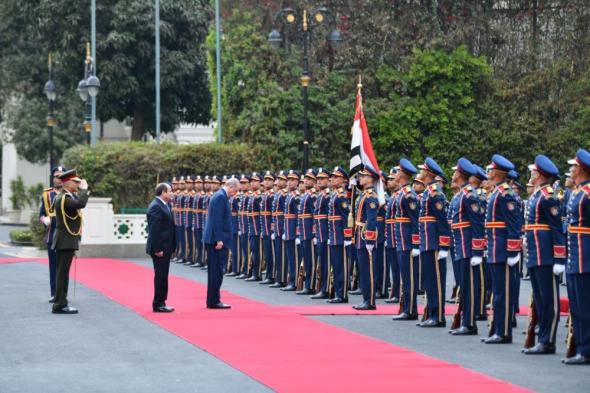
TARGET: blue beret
(513,175)
(339,171)
(293,174)
(432,166)
(465,166)
(501,163)
(545,166)
(582,159)
(407,166)
(480,173)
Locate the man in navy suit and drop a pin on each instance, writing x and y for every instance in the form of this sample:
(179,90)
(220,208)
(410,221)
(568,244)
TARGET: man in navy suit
(218,239)
(161,243)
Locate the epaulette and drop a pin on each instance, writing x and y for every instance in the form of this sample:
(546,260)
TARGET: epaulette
(312,190)
(407,189)
(369,191)
(547,191)
(561,194)
(258,192)
(48,189)
(586,189)
(504,188)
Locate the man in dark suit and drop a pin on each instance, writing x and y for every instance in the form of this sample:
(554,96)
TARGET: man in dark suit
(66,239)
(218,239)
(161,243)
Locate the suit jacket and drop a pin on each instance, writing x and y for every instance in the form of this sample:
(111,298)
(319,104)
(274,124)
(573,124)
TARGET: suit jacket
(161,231)
(219,222)
(69,220)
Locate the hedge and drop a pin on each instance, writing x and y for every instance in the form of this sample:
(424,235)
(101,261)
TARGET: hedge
(127,172)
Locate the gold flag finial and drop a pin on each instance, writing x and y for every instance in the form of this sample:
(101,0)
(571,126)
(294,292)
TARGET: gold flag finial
(360,84)
(88,52)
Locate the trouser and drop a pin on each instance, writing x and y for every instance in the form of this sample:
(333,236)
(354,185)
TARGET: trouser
(308,262)
(481,304)
(198,246)
(488,280)
(235,257)
(161,269)
(379,268)
(180,248)
(324,263)
(52,257)
(245,254)
(267,251)
(408,267)
(470,291)
(352,266)
(391,256)
(546,298)
(420,274)
(515,289)
(280,260)
(290,252)
(62,277)
(255,255)
(456,270)
(578,290)
(340,265)
(217,261)
(435,272)
(366,275)
(502,290)
(189,243)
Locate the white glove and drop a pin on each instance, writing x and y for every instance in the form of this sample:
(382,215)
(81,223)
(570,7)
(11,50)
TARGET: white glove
(297,241)
(46,221)
(513,260)
(347,243)
(524,242)
(370,248)
(328,242)
(273,236)
(476,261)
(385,244)
(261,236)
(83,184)
(415,252)
(240,233)
(442,254)
(283,236)
(315,241)
(558,269)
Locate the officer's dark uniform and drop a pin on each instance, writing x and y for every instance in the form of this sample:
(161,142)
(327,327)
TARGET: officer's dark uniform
(320,216)
(234,203)
(266,204)
(484,280)
(380,266)
(278,229)
(197,206)
(67,238)
(290,232)
(254,230)
(305,234)
(244,247)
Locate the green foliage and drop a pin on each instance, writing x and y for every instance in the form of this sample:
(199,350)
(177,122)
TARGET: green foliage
(21,236)
(19,194)
(128,172)
(38,231)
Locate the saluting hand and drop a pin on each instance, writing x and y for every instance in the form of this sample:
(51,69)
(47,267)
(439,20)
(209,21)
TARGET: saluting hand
(83,184)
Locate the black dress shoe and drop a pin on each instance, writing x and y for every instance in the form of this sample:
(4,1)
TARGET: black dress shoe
(405,317)
(219,306)
(481,317)
(364,307)
(52,300)
(337,300)
(163,309)
(277,285)
(189,263)
(232,274)
(65,310)
(242,276)
(431,323)
(253,279)
(355,292)
(495,339)
(464,331)
(268,281)
(451,301)
(320,295)
(204,267)
(540,349)
(289,288)
(380,296)
(196,265)
(420,291)
(392,300)
(576,360)
(304,291)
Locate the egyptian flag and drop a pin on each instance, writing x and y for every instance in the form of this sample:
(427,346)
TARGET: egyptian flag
(361,150)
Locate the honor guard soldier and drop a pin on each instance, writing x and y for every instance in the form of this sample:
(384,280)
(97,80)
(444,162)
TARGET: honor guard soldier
(234,204)
(545,244)
(320,215)
(173,209)
(434,243)
(517,188)
(479,228)
(365,236)
(503,228)
(278,229)
(468,238)
(578,263)
(407,239)
(379,264)
(391,261)
(254,229)
(188,220)
(198,227)
(243,229)
(178,220)
(266,226)
(47,218)
(205,206)
(418,186)
(339,233)
(290,238)
(305,229)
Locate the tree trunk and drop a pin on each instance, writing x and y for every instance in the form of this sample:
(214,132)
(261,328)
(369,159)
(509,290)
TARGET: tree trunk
(137,129)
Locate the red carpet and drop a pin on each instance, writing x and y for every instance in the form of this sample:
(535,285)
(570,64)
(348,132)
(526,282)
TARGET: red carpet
(278,347)
(5,260)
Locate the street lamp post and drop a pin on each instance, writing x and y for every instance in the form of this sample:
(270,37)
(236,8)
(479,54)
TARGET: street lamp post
(88,87)
(305,22)
(51,94)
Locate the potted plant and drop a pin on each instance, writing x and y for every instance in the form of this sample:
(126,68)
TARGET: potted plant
(17,199)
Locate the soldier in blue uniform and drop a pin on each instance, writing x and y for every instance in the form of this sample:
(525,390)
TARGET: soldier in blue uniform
(379,263)
(47,218)
(468,237)
(513,177)
(407,240)
(179,221)
(365,237)
(479,228)
(419,187)
(278,229)
(503,228)
(545,251)
(320,217)
(254,228)
(198,221)
(234,204)
(290,238)
(243,227)
(188,220)
(305,229)
(391,265)
(578,263)
(266,203)
(339,233)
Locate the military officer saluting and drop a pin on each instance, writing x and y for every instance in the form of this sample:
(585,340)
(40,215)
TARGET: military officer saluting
(578,263)
(545,251)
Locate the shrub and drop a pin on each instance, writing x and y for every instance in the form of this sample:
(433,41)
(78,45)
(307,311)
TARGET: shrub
(21,236)
(38,231)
